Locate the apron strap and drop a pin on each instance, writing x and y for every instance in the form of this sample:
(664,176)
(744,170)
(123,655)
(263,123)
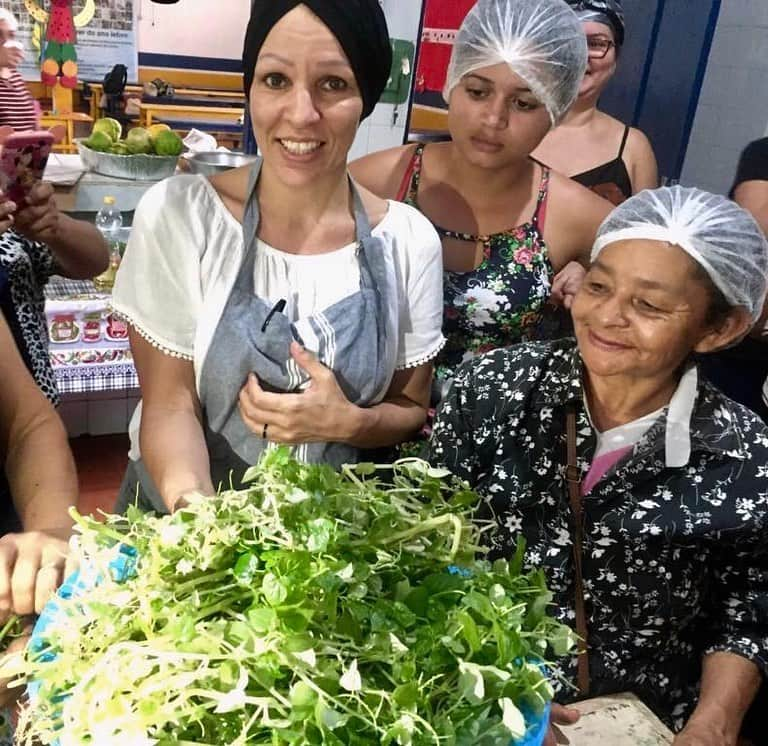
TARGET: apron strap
(251,219)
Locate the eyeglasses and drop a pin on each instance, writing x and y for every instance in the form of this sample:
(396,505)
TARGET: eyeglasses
(598,46)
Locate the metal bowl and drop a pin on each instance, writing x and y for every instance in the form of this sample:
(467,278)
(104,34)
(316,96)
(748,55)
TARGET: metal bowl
(139,167)
(217,160)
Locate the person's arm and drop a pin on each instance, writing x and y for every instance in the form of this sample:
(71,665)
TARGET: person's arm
(643,169)
(382,172)
(729,684)
(171,436)
(753,197)
(736,656)
(574,213)
(159,292)
(322,413)
(78,247)
(43,483)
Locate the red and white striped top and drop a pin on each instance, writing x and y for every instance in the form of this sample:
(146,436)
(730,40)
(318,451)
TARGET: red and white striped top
(17,107)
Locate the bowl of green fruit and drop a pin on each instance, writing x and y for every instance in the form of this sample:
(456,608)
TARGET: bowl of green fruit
(144,154)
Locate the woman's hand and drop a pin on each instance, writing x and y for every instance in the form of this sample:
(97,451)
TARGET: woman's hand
(320,413)
(33,565)
(7,209)
(560,716)
(566,284)
(39,220)
(702,734)
(8,696)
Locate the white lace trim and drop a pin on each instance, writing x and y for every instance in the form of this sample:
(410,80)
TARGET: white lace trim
(148,336)
(427,358)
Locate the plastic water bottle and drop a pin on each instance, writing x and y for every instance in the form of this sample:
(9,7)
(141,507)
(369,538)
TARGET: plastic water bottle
(109,221)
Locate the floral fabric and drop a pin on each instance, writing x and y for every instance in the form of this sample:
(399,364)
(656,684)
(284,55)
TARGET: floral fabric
(502,301)
(675,560)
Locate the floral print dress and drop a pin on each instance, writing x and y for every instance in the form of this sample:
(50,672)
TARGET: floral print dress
(502,301)
(675,559)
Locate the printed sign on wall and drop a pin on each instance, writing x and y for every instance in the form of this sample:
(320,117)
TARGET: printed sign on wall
(105,35)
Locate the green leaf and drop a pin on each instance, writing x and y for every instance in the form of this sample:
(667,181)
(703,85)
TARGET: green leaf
(246,568)
(327,718)
(471,682)
(302,695)
(321,532)
(273,589)
(365,468)
(407,695)
(469,631)
(262,619)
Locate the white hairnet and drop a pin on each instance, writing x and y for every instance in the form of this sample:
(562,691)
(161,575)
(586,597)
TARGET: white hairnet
(542,41)
(723,238)
(9,18)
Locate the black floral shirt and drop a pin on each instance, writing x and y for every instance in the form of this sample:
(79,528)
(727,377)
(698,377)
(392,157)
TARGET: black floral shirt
(675,559)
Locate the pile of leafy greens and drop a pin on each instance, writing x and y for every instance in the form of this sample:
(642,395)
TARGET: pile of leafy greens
(315,607)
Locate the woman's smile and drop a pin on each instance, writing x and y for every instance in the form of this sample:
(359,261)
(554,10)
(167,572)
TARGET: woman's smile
(605,344)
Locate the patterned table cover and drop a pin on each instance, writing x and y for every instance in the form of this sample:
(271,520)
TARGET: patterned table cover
(88,347)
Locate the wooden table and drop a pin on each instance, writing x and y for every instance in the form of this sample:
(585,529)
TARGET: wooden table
(68,121)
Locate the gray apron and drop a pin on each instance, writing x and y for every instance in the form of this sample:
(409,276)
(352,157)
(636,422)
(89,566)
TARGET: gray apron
(355,337)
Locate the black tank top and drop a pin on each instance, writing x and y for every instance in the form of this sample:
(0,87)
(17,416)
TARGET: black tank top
(609,180)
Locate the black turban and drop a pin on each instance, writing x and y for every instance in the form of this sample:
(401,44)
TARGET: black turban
(359,26)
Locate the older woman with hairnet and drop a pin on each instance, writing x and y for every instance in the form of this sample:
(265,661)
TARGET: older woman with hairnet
(640,488)
(508,224)
(279,302)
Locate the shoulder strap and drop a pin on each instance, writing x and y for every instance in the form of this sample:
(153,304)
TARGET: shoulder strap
(573,479)
(413,166)
(540,212)
(623,141)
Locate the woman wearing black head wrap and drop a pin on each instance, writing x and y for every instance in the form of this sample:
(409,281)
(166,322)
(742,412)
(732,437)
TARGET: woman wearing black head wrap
(279,302)
(595,149)
(358,25)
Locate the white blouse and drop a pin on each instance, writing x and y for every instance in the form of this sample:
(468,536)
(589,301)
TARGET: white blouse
(186,248)
(302,280)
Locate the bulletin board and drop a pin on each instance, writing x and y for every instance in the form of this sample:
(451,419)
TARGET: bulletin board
(108,38)
(442,19)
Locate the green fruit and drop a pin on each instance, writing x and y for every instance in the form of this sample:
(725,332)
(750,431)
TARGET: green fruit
(99,141)
(168,143)
(110,127)
(120,148)
(138,141)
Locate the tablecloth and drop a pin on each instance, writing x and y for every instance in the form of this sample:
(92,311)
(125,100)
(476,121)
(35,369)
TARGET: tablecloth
(88,345)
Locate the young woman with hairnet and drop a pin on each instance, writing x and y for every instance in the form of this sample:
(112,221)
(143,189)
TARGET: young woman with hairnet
(508,224)
(665,566)
(279,302)
(592,147)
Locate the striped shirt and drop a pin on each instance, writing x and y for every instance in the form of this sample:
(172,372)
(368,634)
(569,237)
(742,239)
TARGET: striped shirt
(17,107)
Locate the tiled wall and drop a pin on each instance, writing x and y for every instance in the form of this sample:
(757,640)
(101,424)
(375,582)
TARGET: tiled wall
(733,106)
(98,413)
(382,130)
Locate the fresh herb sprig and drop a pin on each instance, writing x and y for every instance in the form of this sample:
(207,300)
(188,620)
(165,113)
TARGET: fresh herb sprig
(315,607)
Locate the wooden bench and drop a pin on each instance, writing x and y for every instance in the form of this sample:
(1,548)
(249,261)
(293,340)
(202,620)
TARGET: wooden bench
(136,91)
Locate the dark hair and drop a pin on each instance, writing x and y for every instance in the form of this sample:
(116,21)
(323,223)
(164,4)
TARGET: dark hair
(719,307)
